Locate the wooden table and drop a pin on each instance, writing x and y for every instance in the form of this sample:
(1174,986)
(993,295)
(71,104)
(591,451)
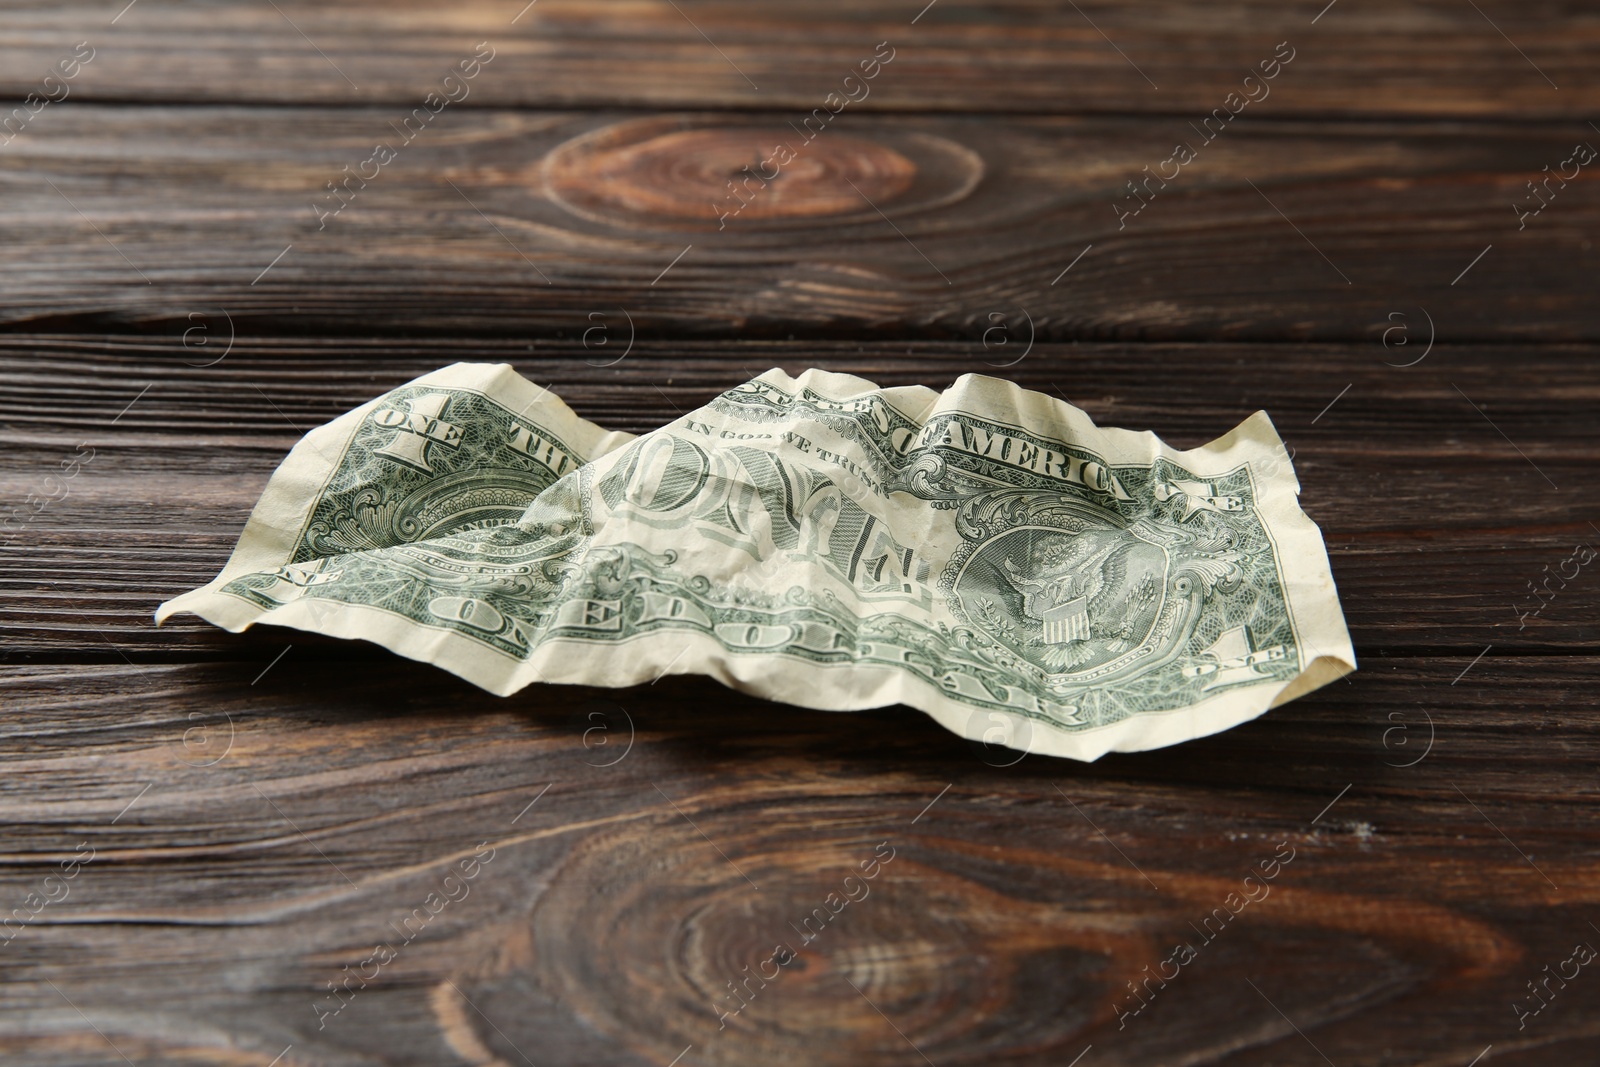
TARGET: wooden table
(271,849)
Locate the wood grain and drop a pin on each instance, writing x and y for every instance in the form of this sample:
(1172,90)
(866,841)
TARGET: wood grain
(291,825)
(514,223)
(1490,58)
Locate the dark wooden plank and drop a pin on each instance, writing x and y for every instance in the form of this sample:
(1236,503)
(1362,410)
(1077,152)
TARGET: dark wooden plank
(511,223)
(1438,57)
(253,843)
(1437,525)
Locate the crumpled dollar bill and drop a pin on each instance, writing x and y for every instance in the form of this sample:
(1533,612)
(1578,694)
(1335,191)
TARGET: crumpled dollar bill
(986,554)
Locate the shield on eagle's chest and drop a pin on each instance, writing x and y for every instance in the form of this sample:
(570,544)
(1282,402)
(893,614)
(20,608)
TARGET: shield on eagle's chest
(1066,622)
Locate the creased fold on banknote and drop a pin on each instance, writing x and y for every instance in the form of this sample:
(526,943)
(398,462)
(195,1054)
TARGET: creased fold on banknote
(986,554)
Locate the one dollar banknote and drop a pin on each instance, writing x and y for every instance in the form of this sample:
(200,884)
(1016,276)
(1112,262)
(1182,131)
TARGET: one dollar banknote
(985,554)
